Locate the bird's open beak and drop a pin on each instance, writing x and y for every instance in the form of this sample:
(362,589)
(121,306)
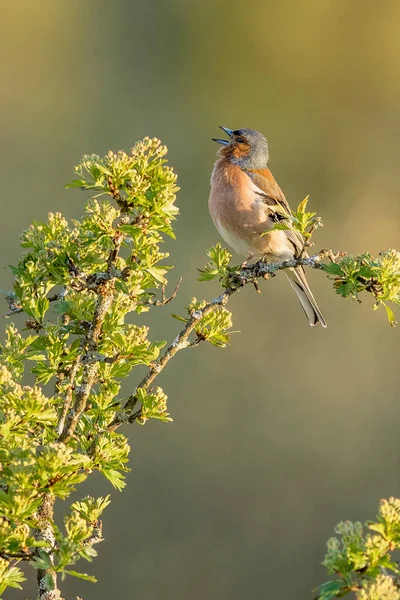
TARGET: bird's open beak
(223,142)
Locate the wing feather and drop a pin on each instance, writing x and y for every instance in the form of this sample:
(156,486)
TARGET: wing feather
(273,197)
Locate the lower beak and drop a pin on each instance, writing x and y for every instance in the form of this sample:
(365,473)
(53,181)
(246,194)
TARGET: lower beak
(219,141)
(223,142)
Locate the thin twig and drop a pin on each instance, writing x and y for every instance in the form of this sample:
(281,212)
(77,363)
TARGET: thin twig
(68,395)
(164,300)
(307,241)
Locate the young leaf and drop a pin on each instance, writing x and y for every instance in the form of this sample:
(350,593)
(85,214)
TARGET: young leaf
(84,576)
(331,589)
(303,205)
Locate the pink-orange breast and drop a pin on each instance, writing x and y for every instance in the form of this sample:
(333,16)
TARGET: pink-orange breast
(231,191)
(236,209)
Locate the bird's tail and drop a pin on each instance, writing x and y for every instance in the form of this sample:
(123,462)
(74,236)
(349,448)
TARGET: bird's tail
(298,281)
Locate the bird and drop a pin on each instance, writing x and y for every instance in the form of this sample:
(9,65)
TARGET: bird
(245,201)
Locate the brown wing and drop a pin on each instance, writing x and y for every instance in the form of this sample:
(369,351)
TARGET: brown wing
(272,196)
(264,179)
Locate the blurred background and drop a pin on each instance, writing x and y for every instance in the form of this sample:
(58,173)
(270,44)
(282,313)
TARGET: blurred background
(290,429)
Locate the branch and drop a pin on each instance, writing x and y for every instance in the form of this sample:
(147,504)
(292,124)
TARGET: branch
(105,293)
(17,555)
(47,578)
(97,534)
(68,396)
(90,369)
(237,280)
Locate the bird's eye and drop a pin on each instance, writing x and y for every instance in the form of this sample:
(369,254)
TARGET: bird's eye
(240,140)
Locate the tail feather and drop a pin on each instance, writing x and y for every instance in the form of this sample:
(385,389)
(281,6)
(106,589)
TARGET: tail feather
(298,281)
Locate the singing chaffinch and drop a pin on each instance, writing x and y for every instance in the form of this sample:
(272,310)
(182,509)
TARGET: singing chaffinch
(245,201)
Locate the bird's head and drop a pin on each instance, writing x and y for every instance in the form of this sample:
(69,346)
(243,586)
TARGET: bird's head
(246,148)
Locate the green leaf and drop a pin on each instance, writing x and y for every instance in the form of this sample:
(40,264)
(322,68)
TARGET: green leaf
(331,589)
(121,370)
(11,577)
(378,527)
(280,227)
(333,269)
(84,576)
(157,273)
(178,318)
(115,478)
(218,265)
(42,561)
(76,183)
(42,306)
(390,315)
(49,581)
(130,230)
(303,205)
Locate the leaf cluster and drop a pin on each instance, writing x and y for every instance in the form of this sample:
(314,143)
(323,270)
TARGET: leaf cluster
(212,322)
(380,276)
(77,283)
(362,561)
(218,265)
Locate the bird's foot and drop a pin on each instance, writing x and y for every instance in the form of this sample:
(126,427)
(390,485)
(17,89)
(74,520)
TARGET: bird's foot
(246,262)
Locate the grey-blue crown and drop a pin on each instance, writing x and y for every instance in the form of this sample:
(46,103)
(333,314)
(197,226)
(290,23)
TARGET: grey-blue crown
(259,154)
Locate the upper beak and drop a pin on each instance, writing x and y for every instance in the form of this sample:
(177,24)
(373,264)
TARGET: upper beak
(220,141)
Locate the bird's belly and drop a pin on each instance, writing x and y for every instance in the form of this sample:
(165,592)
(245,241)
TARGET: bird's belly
(240,244)
(276,246)
(246,239)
